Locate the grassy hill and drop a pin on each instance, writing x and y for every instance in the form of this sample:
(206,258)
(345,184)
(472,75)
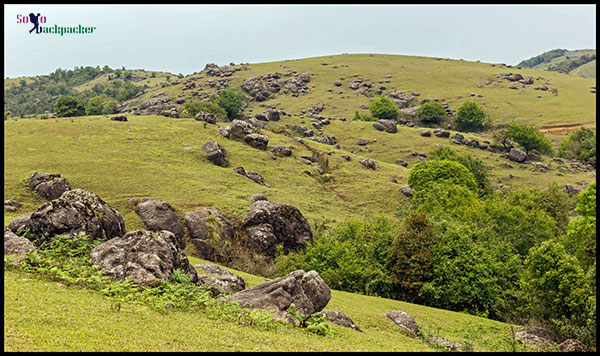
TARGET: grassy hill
(160,158)
(567,61)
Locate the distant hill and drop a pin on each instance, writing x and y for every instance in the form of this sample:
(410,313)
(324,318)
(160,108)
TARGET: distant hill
(580,62)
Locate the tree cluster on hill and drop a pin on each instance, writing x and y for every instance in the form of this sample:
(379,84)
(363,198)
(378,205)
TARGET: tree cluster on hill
(39,95)
(542,58)
(512,256)
(569,65)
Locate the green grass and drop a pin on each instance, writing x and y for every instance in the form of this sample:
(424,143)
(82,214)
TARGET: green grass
(41,315)
(587,70)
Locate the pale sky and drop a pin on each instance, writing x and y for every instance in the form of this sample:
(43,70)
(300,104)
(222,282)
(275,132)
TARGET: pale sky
(184,38)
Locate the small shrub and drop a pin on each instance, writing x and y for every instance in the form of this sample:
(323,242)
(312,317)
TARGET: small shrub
(194,106)
(383,108)
(67,106)
(580,145)
(530,138)
(470,116)
(433,171)
(231,101)
(362,117)
(431,112)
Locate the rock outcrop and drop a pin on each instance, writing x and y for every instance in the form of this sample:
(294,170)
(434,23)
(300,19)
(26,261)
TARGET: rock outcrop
(158,215)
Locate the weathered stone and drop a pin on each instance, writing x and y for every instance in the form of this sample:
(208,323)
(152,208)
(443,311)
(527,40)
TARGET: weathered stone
(239,129)
(368,163)
(443,342)
(407,191)
(221,281)
(306,290)
(401,162)
(53,189)
(158,215)
(573,190)
(257,197)
(404,321)
(283,221)
(206,117)
(200,222)
(425,133)
(18,222)
(442,133)
(517,155)
(257,141)
(571,345)
(121,118)
(37,178)
(215,153)
(389,125)
(535,338)
(362,141)
(256,177)
(340,319)
(76,213)
(378,126)
(16,245)
(282,150)
(144,257)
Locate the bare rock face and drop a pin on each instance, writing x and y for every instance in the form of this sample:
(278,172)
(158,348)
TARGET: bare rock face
(306,290)
(158,215)
(221,281)
(16,245)
(76,213)
(143,256)
(37,178)
(200,222)
(269,224)
(404,321)
(18,222)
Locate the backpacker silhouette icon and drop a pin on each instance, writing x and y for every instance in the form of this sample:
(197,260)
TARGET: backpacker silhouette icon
(34,20)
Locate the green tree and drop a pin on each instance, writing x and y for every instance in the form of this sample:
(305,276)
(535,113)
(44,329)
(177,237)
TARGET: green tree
(94,105)
(529,138)
(230,100)
(127,75)
(194,106)
(383,108)
(435,171)
(431,112)
(409,258)
(580,145)
(475,165)
(67,106)
(581,235)
(470,116)
(109,106)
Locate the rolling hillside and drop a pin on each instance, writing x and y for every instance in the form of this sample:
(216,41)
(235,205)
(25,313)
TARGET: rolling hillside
(580,62)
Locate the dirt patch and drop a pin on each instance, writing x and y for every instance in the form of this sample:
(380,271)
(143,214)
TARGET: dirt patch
(565,128)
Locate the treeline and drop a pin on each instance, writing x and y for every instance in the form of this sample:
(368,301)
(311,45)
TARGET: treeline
(517,255)
(542,58)
(39,95)
(568,66)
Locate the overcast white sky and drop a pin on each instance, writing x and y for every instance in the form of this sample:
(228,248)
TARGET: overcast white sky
(184,38)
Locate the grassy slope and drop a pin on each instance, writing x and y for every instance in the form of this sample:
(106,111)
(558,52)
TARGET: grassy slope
(587,70)
(56,325)
(571,54)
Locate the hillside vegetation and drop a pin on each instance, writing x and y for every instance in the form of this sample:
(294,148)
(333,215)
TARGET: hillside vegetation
(467,244)
(580,62)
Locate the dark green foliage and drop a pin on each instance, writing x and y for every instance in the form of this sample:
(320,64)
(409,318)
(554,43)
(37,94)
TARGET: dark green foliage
(473,164)
(544,57)
(431,112)
(383,108)
(435,171)
(194,106)
(568,66)
(409,258)
(530,138)
(581,234)
(101,104)
(67,106)
(351,258)
(470,116)
(231,101)
(580,145)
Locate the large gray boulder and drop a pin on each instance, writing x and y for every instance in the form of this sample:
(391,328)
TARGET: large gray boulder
(220,281)
(389,125)
(269,224)
(517,155)
(158,215)
(37,178)
(49,185)
(214,153)
(144,257)
(18,222)
(404,321)
(16,245)
(340,319)
(76,213)
(306,290)
(257,141)
(206,227)
(368,163)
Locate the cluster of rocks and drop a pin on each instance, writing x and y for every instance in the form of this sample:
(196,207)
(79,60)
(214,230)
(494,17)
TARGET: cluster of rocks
(310,133)
(214,70)
(11,205)
(162,105)
(402,99)
(459,139)
(244,130)
(261,88)
(386,125)
(573,165)
(540,339)
(48,185)
(408,324)
(253,176)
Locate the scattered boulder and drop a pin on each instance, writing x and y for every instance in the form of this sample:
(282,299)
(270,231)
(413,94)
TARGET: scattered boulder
(571,345)
(144,257)
(425,133)
(362,141)
(368,163)
(402,162)
(18,222)
(573,190)
(257,197)
(282,150)
(517,155)
(206,117)
(76,213)
(158,215)
(221,281)
(404,321)
(53,189)
(37,178)
(257,141)
(215,153)
(389,125)
(225,131)
(269,224)
(535,338)
(407,191)
(11,205)
(240,129)
(121,118)
(306,290)
(340,319)
(197,223)
(378,126)
(443,342)
(16,245)
(442,133)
